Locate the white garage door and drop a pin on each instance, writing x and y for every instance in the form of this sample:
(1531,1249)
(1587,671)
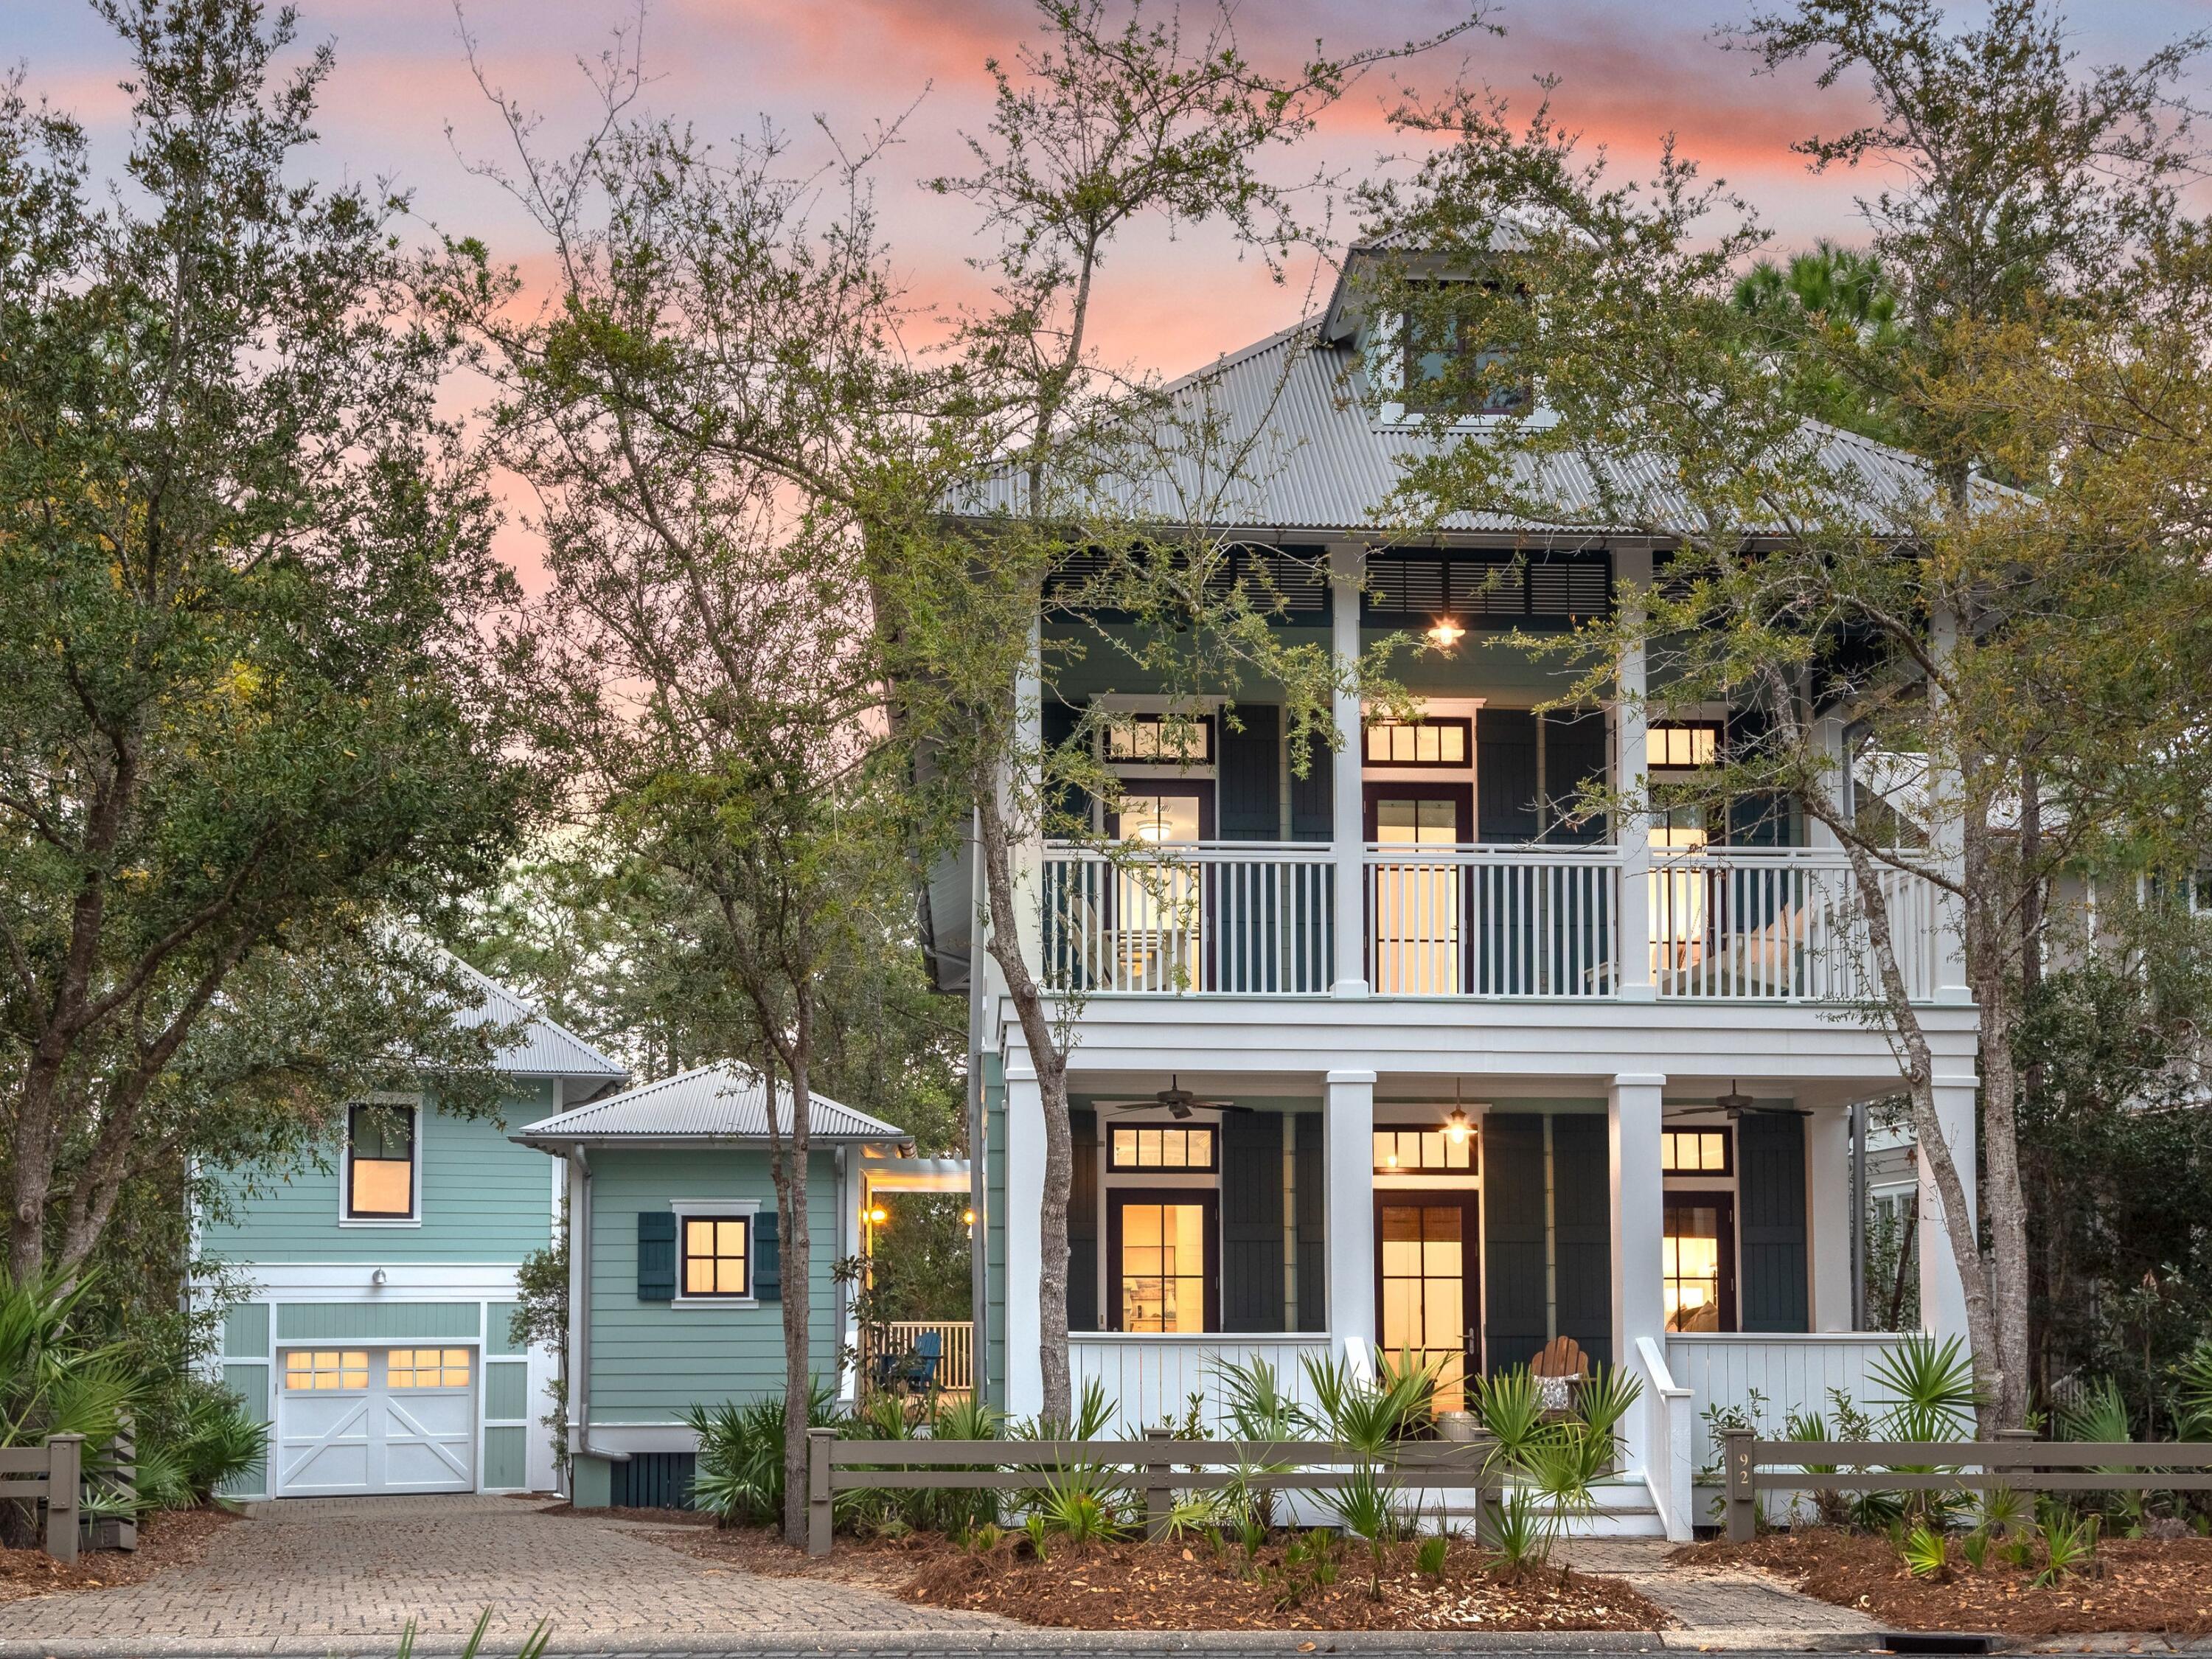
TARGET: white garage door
(375,1419)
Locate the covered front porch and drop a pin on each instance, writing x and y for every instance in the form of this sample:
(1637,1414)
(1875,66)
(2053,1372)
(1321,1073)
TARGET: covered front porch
(1697,1235)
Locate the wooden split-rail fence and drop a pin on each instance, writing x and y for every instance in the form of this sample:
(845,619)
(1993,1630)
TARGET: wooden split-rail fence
(48,1474)
(2016,1461)
(1157,1467)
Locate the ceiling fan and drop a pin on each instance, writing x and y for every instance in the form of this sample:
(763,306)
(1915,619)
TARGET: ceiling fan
(1736,1105)
(1174,1099)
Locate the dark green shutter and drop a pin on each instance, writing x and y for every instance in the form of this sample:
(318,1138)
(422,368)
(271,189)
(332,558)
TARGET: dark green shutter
(1083,1225)
(1252,1221)
(1250,804)
(1312,796)
(1056,723)
(768,1258)
(1312,1197)
(656,1255)
(1516,1317)
(1582,1232)
(1505,774)
(1769,1149)
(1574,752)
(1761,820)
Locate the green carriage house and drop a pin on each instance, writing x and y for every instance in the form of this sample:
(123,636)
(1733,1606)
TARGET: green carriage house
(675,1270)
(379,1282)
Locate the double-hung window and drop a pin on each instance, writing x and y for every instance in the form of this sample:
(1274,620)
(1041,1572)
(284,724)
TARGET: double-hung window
(380,1166)
(717,1256)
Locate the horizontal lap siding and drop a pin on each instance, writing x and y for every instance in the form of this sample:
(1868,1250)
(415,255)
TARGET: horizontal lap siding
(652,1360)
(483,1198)
(379,1321)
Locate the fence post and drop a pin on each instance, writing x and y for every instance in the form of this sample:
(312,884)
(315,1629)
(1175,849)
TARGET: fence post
(818,1514)
(64,1468)
(1741,1503)
(2014,1436)
(126,1482)
(1159,1497)
(1484,1447)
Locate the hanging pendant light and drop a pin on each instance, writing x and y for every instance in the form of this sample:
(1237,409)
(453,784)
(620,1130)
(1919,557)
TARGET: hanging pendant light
(1455,1126)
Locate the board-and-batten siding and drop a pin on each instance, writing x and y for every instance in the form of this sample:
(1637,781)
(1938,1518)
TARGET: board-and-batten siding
(483,1199)
(652,1360)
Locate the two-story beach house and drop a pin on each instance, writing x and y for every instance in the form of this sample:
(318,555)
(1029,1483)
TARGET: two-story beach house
(371,1333)
(1394,1056)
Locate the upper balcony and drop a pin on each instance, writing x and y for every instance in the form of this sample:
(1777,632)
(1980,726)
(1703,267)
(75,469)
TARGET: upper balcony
(1469,921)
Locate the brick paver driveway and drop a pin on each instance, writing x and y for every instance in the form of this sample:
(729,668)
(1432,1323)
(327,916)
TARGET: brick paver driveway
(347,1575)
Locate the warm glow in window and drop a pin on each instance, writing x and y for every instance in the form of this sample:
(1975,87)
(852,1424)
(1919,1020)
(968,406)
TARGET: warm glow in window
(1694,1151)
(326,1368)
(1690,1258)
(1157,738)
(1134,1148)
(380,1161)
(1162,1267)
(1431,743)
(1680,746)
(1408,1151)
(716,1254)
(426,1368)
(1159,819)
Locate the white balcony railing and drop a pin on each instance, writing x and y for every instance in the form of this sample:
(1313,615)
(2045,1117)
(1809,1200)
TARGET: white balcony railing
(1254,919)
(1236,919)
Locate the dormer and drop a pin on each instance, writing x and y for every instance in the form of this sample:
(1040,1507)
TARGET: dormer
(1398,353)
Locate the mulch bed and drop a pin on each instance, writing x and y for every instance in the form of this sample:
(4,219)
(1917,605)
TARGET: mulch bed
(2137,1584)
(177,1538)
(1173,1586)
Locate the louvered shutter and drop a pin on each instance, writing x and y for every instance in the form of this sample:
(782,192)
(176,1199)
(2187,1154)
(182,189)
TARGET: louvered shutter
(656,1255)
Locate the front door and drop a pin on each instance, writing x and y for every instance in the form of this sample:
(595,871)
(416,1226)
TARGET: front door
(1427,1298)
(1698,1261)
(1419,906)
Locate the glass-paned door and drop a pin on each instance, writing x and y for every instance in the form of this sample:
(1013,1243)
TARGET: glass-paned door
(1698,1261)
(1426,1300)
(1419,905)
(1159,903)
(1160,1245)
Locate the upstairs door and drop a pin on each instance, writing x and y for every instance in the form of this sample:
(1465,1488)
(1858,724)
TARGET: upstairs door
(1427,1277)
(1157,925)
(1417,909)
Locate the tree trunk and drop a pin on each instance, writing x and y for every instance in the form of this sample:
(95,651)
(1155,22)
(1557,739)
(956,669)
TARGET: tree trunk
(1989,970)
(797,1260)
(1050,1060)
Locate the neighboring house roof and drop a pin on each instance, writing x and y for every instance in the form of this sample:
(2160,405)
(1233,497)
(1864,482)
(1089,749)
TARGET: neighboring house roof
(721,1101)
(543,1047)
(1309,455)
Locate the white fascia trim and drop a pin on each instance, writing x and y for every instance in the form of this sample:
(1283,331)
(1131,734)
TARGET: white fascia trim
(636,1437)
(347,1281)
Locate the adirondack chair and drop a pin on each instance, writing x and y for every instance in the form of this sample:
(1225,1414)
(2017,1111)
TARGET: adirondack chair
(915,1371)
(1559,1368)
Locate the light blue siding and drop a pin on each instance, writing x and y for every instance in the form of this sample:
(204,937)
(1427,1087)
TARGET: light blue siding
(506,1393)
(483,1198)
(506,1454)
(250,1384)
(651,1360)
(499,1318)
(245,1331)
(379,1321)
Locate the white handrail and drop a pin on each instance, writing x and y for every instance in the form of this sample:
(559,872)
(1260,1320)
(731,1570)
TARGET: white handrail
(1670,1468)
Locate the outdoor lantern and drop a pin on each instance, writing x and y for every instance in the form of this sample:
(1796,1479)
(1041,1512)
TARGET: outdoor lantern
(1445,633)
(1455,1127)
(879,1215)
(968,1217)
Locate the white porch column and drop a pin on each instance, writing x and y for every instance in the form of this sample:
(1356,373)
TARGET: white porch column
(1828,1216)
(1947,836)
(1348,1177)
(1632,1113)
(1347,832)
(1943,1296)
(1024,1248)
(1632,775)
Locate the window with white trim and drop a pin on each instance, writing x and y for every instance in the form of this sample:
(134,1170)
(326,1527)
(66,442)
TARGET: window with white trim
(379,1172)
(717,1256)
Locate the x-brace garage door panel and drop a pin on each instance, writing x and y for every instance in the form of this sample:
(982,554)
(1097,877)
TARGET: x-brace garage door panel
(351,1421)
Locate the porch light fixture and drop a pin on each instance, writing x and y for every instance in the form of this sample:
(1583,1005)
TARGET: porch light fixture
(1445,632)
(1455,1126)
(968,1217)
(879,1215)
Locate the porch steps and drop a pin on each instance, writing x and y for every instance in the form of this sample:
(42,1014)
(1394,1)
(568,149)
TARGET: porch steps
(1619,1508)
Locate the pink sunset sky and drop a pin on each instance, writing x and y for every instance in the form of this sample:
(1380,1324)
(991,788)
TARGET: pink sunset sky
(1630,71)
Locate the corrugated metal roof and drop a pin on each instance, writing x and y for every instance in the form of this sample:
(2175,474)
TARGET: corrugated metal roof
(544,1049)
(1314,457)
(721,1101)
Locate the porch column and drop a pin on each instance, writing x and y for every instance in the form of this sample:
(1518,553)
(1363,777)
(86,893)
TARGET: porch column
(1632,1112)
(1829,1217)
(1943,1296)
(1947,835)
(1024,1248)
(1631,831)
(1347,826)
(1348,1223)
(1029,854)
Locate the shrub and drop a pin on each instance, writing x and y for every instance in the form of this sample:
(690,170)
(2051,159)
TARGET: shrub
(740,1469)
